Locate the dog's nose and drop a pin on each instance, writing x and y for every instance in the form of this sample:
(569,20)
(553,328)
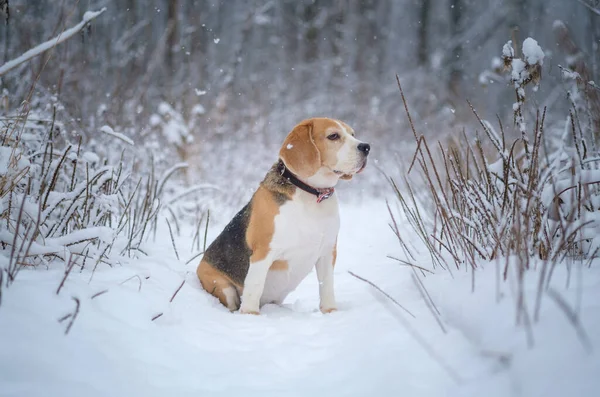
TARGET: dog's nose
(365,148)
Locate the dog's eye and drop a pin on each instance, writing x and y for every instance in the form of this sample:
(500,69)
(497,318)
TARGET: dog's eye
(333,137)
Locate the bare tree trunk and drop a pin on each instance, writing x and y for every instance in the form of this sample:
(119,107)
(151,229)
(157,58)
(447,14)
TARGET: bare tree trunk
(456,71)
(131,13)
(594,41)
(289,27)
(352,27)
(6,29)
(380,18)
(518,17)
(309,44)
(338,19)
(172,38)
(422,34)
(311,33)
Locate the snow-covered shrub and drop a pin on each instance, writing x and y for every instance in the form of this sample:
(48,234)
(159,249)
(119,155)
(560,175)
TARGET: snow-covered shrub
(60,199)
(170,130)
(169,135)
(532,197)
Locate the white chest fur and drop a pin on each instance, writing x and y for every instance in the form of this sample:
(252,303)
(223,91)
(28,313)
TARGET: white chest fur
(304,232)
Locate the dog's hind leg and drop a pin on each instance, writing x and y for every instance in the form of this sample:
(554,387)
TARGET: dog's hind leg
(219,285)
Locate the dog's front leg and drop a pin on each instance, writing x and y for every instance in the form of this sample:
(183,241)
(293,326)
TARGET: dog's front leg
(254,285)
(325,275)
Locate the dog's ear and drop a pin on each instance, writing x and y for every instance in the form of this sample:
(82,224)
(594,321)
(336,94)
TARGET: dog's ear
(299,151)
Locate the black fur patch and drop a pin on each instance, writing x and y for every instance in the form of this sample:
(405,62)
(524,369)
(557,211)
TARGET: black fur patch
(281,189)
(230,253)
(280,198)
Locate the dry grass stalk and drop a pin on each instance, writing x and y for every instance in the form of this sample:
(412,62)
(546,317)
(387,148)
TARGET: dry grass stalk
(518,199)
(177,291)
(382,291)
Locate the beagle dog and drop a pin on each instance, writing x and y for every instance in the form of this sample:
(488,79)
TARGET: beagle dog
(291,223)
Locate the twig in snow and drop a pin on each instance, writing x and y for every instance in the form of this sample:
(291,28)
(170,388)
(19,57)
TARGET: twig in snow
(157,316)
(196,238)
(405,263)
(55,175)
(172,239)
(72,316)
(394,227)
(10,274)
(132,277)
(75,164)
(70,266)
(177,291)
(97,294)
(206,229)
(428,301)
(177,228)
(66,316)
(194,257)
(98,261)
(382,291)
(85,256)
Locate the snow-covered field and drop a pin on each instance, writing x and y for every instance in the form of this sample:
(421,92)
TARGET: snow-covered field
(369,347)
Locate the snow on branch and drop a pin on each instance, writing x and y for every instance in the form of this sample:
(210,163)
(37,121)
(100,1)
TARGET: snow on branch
(191,190)
(109,131)
(63,36)
(58,244)
(589,7)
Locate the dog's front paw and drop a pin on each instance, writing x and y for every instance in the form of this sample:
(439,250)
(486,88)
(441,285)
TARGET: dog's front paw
(326,310)
(249,311)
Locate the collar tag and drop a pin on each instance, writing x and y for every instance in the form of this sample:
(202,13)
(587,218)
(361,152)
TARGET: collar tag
(325,194)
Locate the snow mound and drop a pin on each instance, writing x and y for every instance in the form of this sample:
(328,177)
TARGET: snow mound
(133,335)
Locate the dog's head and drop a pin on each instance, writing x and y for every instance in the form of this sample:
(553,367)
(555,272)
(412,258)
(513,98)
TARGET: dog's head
(320,151)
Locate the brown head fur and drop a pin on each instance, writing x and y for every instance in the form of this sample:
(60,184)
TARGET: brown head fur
(307,148)
(299,151)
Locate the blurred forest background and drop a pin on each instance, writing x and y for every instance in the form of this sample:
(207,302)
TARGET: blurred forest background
(154,116)
(206,75)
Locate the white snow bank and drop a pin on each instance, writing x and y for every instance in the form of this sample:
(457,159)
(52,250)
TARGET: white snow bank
(366,348)
(58,244)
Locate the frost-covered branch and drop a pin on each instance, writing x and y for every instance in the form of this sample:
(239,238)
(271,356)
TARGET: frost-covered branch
(191,190)
(589,7)
(109,131)
(63,36)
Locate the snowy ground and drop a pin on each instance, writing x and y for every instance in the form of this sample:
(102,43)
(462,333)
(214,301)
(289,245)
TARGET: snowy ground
(369,346)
